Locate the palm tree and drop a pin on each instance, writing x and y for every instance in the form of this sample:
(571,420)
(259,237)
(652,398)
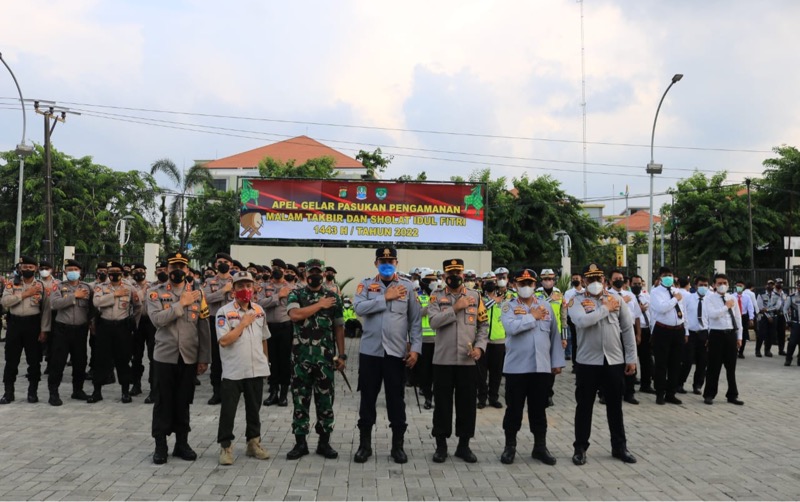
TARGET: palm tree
(185,183)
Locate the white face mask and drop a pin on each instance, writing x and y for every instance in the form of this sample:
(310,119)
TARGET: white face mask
(525,291)
(501,283)
(470,284)
(722,289)
(595,288)
(44,274)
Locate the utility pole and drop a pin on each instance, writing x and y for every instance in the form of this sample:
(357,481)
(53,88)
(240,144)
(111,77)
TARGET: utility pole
(56,114)
(750,217)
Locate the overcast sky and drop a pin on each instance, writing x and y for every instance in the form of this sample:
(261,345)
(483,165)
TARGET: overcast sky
(502,79)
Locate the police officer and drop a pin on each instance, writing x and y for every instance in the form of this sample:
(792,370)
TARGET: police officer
(218,292)
(100,278)
(50,284)
(792,311)
(274,300)
(491,366)
(118,304)
(391,314)
(182,351)
(242,335)
(606,352)
(780,320)
(629,300)
(458,316)
(318,319)
(71,302)
(28,323)
(330,280)
(768,305)
(423,370)
(533,353)
(549,292)
(144,335)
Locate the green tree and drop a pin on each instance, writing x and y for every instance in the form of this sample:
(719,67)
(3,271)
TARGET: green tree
(316,168)
(185,183)
(420,177)
(779,190)
(375,162)
(214,215)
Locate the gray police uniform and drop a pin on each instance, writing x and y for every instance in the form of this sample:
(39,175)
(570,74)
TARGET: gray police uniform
(770,302)
(216,298)
(114,333)
(70,329)
(279,344)
(143,337)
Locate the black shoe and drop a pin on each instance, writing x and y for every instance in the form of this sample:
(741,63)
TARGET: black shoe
(781,352)
(464,453)
(768,354)
(758,354)
(736,401)
(300,448)
(579,457)
(33,398)
(7,398)
(196,382)
(126,398)
(325,449)
(788,362)
(55,399)
(481,405)
(660,399)
(708,400)
(136,390)
(741,356)
(499,405)
(509,452)
(680,390)
(624,455)
(601,400)
(160,455)
(631,400)
(673,400)
(215,399)
(364,446)
(398,454)
(283,400)
(544,455)
(149,399)
(696,391)
(440,455)
(272,397)
(647,390)
(79,395)
(184,451)
(96,397)
(428,404)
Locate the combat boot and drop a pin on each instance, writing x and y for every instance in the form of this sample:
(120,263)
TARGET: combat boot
(254,449)
(33,392)
(364,445)
(160,455)
(182,448)
(464,452)
(510,451)
(272,397)
(215,399)
(300,447)
(126,397)
(226,455)
(440,455)
(97,395)
(540,451)
(136,389)
(283,399)
(324,446)
(8,396)
(55,399)
(398,454)
(78,393)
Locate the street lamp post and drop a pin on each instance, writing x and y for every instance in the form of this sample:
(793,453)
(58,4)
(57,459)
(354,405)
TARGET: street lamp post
(652,170)
(23,150)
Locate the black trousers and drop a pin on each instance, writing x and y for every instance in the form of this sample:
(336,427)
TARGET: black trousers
(458,381)
(530,387)
(573,339)
(794,339)
(112,346)
(143,337)
(780,332)
(389,371)
(22,334)
(745,332)
(252,389)
(695,353)
(667,351)
(721,351)
(490,367)
(423,370)
(765,332)
(174,394)
(68,341)
(609,379)
(279,347)
(215,373)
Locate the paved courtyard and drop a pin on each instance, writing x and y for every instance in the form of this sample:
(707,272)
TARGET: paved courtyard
(694,451)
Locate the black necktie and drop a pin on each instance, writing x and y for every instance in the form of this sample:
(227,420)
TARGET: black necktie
(700,311)
(677,307)
(730,313)
(643,312)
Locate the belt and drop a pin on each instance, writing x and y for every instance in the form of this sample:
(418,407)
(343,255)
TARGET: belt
(23,317)
(107,321)
(672,328)
(722,331)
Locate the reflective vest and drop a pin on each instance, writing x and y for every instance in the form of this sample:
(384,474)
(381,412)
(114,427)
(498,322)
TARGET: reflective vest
(349,314)
(496,329)
(426,325)
(556,300)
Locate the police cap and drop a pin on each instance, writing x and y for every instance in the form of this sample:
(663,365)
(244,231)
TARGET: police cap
(223,256)
(593,270)
(314,263)
(27,260)
(177,257)
(453,264)
(386,252)
(72,263)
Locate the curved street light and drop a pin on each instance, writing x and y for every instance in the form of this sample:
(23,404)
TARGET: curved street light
(653,169)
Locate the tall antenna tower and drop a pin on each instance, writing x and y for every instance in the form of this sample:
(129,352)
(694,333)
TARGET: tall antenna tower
(583,100)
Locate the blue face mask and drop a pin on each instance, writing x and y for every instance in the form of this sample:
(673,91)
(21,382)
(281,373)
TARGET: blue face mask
(667,281)
(73,275)
(386,269)
(702,290)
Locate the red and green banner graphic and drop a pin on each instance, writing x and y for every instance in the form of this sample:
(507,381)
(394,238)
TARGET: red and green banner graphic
(347,210)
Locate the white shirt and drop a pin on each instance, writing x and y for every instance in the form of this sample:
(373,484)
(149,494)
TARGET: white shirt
(629,299)
(692,306)
(718,314)
(662,307)
(245,357)
(644,317)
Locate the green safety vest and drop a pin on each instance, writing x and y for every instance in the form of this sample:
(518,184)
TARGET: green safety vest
(426,324)
(349,313)
(496,329)
(556,304)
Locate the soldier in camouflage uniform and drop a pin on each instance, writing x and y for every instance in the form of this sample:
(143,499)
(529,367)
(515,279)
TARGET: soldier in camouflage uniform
(318,320)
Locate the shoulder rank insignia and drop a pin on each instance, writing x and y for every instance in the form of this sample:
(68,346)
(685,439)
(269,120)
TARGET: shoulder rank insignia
(153,295)
(571,302)
(520,311)
(374,287)
(506,307)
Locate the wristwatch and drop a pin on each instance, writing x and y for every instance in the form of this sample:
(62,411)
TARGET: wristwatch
(343,357)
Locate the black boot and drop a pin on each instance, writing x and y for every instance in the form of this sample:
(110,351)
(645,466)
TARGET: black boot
(78,393)
(464,452)
(55,399)
(272,397)
(300,447)
(282,399)
(182,448)
(97,395)
(136,389)
(126,397)
(8,397)
(398,454)
(324,446)
(428,402)
(33,392)
(364,445)
(440,455)
(160,455)
(540,451)
(510,451)
(215,399)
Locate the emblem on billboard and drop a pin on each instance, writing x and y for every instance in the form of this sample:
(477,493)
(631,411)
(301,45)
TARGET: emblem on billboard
(381,193)
(248,194)
(251,224)
(361,192)
(475,200)
(343,192)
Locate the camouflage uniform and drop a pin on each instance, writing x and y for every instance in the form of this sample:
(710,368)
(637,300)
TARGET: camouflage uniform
(313,348)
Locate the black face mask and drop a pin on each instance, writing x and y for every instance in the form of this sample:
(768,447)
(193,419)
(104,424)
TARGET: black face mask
(138,277)
(125,273)
(115,277)
(277,275)
(489,287)
(223,268)
(636,290)
(190,279)
(454,281)
(102,276)
(315,280)
(290,278)
(162,276)
(177,276)
(575,284)
(618,283)
(329,276)
(28,273)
